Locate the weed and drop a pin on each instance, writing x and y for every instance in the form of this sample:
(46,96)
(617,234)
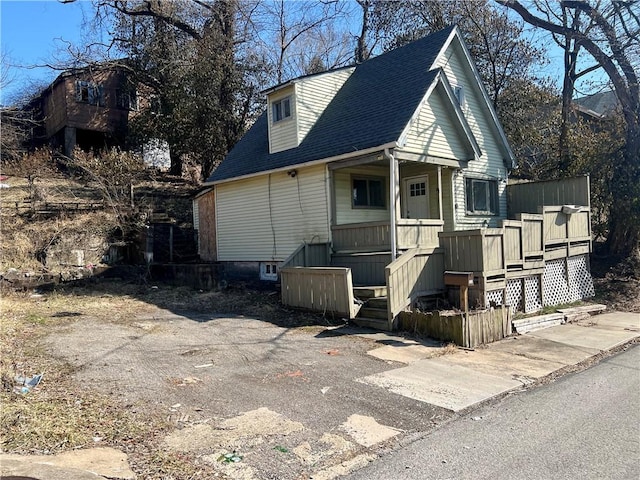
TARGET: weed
(35,318)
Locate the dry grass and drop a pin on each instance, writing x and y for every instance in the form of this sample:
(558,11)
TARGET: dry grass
(60,413)
(25,237)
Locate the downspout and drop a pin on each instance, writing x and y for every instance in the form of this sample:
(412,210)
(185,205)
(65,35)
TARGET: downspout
(392,202)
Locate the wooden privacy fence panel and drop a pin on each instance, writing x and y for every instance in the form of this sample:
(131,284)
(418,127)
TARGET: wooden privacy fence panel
(361,236)
(527,197)
(513,249)
(579,226)
(323,289)
(418,233)
(415,273)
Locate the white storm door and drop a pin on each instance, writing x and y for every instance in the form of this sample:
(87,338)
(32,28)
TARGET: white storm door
(416,193)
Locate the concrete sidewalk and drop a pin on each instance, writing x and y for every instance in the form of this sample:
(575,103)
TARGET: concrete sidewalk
(466,377)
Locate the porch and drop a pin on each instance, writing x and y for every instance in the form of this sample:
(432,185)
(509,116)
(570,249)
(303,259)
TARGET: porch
(530,260)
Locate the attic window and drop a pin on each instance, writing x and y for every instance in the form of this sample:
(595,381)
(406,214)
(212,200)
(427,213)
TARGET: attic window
(458,91)
(281,109)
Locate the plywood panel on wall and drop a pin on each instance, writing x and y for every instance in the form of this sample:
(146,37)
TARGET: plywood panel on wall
(207,226)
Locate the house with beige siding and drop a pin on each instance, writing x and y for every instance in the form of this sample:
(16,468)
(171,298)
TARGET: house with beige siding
(373,180)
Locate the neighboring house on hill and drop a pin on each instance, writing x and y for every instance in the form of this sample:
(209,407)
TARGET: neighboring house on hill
(599,105)
(86,107)
(382,176)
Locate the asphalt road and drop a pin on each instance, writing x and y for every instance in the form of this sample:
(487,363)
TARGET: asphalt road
(582,426)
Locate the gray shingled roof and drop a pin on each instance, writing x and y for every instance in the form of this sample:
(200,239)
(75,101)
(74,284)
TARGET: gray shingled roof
(602,103)
(371,109)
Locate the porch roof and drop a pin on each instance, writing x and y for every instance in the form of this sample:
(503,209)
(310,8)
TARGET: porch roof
(371,109)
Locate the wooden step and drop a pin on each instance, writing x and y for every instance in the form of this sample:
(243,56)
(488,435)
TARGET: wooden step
(370,292)
(372,312)
(377,302)
(375,323)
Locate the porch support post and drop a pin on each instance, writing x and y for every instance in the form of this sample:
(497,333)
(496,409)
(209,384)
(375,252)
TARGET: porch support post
(331,200)
(440,192)
(394,183)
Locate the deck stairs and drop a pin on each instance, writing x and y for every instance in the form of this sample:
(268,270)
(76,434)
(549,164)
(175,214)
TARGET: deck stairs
(373,313)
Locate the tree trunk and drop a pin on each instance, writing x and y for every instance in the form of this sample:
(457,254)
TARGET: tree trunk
(176,162)
(624,214)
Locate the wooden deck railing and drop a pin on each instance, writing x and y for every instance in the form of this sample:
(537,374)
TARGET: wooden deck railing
(562,225)
(418,233)
(523,239)
(415,273)
(361,236)
(309,255)
(376,236)
(474,250)
(525,242)
(323,289)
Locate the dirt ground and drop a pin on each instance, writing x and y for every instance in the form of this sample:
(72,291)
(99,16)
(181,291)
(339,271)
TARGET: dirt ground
(616,280)
(225,384)
(276,390)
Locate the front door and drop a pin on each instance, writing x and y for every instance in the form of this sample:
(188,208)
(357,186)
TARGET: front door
(416,194)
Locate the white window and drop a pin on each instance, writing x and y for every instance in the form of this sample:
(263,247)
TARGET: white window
(482,196)
(281,109)
(91,93)
(268,271)
(458,91)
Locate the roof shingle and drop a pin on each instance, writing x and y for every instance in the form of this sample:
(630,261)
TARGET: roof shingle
(372,108)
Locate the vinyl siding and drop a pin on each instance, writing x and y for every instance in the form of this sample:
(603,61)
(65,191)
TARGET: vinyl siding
(267,217)
(283,134)
(434,132)
(345,213)
(490,165)
(313,94)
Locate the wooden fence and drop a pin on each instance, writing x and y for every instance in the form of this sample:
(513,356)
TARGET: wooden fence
(415,273)
(523,239)
(323,289)
(527,197)
(555,232)
(477,328)
(27,206)
(561,225)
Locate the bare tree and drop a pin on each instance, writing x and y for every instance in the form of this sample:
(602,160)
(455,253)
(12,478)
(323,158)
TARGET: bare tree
(610,36)
(291,35)
(498,46)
